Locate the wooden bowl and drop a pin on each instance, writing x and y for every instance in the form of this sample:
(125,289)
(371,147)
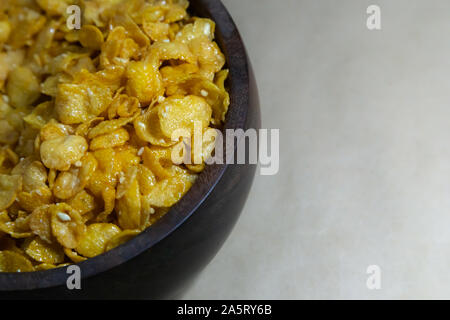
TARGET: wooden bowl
(164,259)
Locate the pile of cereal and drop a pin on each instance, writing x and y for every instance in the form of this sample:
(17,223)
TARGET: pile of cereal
(86,119)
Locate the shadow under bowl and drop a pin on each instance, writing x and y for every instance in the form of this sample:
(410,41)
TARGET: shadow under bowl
(165,259)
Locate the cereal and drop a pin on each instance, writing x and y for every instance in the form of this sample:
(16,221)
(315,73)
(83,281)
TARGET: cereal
(67,184)
(144,81)
(146,179)
(54,7)
(53,130)
(91,37)
(124,106)
(40,115)
(157,31)
(40,223)
(43,252)
(183,113)
(74,256)
(114,139)
(83,202)
(44,267)
(108,127)
(129,206)
(67,232)
(158,160)
(9,188)
(34,176)
(148,128)
(126,180)
(62,152)
(34,199)
(12,228)
(108,195)
(121,238)
(14,262)
(95,238)
(76,103)
(168,192)
(5,31)
(87,118)
(23,87)
(118,48)
(8,135)
(213,92)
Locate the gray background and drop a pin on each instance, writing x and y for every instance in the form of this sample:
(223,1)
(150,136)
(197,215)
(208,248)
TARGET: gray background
(365,154)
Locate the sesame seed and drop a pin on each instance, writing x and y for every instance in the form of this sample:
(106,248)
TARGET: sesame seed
(207,29)
(204,93)
(63,217)
(120,60)
(141,151)
(78,164)
(121,177)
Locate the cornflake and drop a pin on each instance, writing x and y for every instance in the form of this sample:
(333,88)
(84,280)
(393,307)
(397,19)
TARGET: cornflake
(86,118)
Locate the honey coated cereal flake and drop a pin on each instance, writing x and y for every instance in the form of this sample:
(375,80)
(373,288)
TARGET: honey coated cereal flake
(87,118)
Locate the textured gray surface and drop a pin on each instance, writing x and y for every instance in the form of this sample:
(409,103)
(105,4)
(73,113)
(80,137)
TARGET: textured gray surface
(365,154)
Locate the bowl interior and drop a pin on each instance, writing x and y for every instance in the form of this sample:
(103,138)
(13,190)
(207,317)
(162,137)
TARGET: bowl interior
(229,40)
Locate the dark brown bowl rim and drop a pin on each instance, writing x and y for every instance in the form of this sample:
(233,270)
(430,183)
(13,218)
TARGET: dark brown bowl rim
(233,47)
